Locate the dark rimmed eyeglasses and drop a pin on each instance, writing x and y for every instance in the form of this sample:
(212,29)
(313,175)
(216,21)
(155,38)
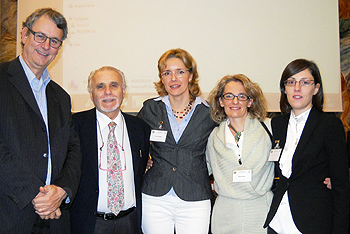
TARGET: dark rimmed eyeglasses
(231,96)
(41,38)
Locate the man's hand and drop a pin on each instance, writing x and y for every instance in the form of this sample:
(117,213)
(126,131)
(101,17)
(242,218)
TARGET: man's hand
(48,201)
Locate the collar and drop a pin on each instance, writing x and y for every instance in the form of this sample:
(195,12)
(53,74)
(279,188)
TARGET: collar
(104,120)
(197,101)
(300,118)
(45,77)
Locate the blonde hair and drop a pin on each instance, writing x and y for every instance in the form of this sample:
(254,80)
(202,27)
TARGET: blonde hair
(258,109)
(190,64)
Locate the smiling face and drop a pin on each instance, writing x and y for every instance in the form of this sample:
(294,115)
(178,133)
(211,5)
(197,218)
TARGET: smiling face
(176,86)
(300,97)
(39,55)
(235,108)
(107,92)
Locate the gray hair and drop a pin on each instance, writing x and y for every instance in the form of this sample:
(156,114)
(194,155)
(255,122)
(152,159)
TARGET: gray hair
(105,68)
(54,15)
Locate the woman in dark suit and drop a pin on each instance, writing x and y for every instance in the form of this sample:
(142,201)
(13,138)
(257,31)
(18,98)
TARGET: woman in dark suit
(176,190)
(313,148)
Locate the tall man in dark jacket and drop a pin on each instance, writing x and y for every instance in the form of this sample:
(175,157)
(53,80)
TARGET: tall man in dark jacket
(39,150)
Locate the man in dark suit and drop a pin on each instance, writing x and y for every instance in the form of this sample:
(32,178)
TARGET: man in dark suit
(39,149)
(90,211)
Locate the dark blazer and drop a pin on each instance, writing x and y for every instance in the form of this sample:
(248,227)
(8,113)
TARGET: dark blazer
(84,206)
(24,147)
(179,165)
(321,153)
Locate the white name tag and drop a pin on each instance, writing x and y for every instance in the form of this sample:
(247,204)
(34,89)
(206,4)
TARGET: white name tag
(242,176)
(158,135)
(274,155)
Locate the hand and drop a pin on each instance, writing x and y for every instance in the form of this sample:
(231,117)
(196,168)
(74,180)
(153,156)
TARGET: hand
(48,201)
(327,182)
(54,215)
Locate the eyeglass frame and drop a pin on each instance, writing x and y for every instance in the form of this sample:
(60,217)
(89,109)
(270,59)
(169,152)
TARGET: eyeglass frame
(109,170)
(172,73)
(301,82)
(46,37)
(235,96)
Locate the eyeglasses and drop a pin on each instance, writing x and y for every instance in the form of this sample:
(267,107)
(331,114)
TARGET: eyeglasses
(103,169)
(41,38)
(231,96)
(302,82)
(178,73)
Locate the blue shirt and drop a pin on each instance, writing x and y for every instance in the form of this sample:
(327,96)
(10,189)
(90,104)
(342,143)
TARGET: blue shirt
(176,128)
(39,90)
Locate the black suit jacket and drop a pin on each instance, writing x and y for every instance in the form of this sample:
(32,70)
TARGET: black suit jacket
(83,209)
(321,153)
(24,145)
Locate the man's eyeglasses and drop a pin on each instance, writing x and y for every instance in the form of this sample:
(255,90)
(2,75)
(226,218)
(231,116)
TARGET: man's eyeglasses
(231,96)
(118,152)
(302,82)
(41,38)
(178,73)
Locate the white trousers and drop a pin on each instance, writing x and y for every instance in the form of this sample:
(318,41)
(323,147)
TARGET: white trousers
(163,215)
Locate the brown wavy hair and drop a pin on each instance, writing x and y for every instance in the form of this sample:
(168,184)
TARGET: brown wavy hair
(190,64)
(258,109)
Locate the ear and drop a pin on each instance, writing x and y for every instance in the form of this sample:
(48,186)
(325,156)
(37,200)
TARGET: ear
(317,87)
(221,102)
(24,35)
(250,102)
(190,78)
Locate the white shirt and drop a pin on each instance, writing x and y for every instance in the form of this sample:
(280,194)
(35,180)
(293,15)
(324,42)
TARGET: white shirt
(283,222)
(231,142)
(122,138)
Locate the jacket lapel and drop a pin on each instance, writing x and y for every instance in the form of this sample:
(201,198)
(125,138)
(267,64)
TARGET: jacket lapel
(305,136)
(20,82)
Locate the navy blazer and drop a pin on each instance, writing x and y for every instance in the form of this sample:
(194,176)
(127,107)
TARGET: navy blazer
(84,206)
(24,149)
(321,153)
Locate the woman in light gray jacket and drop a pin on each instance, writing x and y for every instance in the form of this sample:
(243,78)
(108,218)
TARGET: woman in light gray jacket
(237,155)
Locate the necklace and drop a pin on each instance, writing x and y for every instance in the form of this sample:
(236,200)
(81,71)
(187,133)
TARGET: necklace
(186,110)
(238,134)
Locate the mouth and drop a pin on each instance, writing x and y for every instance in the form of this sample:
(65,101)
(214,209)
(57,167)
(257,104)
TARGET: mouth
(174,86)
(297,97)
(106,100)
(235,108)
(42,53)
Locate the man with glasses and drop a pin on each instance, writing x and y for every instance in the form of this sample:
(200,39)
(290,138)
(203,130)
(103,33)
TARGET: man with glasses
(115,149)
(39,150)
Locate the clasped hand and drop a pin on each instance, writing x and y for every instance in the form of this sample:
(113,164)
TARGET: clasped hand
(48,201)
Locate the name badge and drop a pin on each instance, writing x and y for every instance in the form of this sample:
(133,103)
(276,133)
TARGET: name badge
(242,176)
(274,155)
(158,135)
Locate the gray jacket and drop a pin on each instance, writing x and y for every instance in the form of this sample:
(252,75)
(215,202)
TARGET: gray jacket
(179,165)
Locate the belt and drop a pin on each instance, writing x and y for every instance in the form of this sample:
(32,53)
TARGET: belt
(108,216)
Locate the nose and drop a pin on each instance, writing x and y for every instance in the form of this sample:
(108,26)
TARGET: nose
(173,76)
(235,100)
(108,90)
(297,85)
(46,44)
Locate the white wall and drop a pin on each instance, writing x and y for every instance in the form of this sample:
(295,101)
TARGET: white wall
(256,38)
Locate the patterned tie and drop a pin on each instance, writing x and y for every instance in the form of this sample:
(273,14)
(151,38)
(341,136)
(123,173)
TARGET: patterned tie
(114,174)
